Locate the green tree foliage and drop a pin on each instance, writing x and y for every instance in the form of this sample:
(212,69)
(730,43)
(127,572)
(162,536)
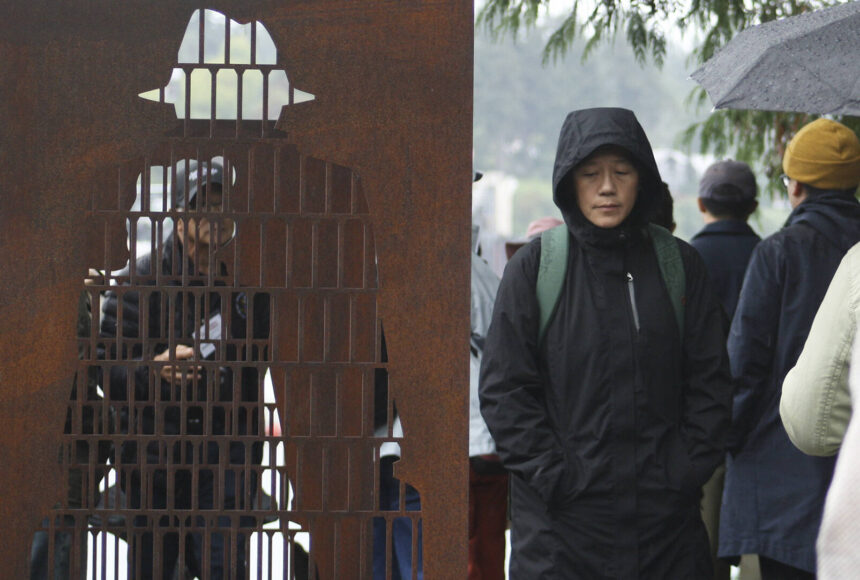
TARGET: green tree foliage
(755,136)
(520,105)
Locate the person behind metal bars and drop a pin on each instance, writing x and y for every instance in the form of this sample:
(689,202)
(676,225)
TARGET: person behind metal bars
(173,370)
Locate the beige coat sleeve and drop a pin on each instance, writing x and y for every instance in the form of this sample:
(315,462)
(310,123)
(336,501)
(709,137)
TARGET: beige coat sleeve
(838,556)
(816,402)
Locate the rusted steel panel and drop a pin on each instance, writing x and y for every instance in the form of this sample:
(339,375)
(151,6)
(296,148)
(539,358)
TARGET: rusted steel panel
(351,212)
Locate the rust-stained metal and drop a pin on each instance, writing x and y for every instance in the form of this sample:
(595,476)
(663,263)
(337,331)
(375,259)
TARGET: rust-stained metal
(351,216)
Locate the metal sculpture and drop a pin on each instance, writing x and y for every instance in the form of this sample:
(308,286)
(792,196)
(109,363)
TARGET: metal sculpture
(347,212)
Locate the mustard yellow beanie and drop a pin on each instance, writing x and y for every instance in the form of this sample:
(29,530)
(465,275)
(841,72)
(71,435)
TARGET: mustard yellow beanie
(824,154)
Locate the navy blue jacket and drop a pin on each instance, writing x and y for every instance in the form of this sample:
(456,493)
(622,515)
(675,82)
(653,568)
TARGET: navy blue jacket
(726,247)
(774,494)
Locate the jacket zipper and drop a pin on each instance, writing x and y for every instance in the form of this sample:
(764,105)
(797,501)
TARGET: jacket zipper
(632,293)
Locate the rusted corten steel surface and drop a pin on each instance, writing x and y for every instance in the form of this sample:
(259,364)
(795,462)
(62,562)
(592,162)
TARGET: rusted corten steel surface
(352,218)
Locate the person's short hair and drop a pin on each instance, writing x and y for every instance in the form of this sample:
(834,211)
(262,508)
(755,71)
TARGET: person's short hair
(738,208)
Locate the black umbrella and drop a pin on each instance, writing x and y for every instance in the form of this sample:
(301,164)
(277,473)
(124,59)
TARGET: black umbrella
(808,63)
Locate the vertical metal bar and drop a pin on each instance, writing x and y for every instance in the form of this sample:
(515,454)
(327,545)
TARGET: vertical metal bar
(240,84)
(186,123)
(213,100)
(227,35)
(201,35)
(253,44)
(264,126)
(227,187)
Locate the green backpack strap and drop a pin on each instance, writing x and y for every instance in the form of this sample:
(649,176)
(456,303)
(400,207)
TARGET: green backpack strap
(672,269)
(553,267)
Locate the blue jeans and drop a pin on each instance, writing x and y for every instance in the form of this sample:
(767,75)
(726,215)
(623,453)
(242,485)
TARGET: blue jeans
(401,528)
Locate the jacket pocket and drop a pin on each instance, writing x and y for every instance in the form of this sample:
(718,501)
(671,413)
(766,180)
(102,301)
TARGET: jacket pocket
(680,475)
(570,483)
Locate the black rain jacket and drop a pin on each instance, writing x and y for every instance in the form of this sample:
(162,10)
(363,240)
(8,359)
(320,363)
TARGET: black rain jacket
(192,408)
(608,429)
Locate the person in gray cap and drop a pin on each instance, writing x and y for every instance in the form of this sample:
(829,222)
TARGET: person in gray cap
(189,376)
(727,198)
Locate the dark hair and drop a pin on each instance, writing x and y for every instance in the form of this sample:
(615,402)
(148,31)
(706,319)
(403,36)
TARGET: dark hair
(664,214)
(739,210)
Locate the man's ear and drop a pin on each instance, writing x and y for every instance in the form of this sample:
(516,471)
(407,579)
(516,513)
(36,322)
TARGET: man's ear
(701,203)
(797,194)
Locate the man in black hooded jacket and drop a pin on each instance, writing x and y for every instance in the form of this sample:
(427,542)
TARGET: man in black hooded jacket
(613,421)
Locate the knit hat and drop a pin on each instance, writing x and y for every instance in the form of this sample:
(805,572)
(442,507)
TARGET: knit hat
(824,154)
(735,174)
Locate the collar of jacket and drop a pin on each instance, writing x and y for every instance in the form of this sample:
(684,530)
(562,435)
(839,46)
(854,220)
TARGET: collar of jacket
(836,216)
(729,226)
(824,201)
(588,234)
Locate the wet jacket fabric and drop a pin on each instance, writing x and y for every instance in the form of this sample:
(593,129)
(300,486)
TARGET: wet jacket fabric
(609,430)
(726,247)
(816,402)
(774,493)
(838,556)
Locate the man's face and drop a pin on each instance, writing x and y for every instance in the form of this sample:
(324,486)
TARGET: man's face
(606,187)
(200,229)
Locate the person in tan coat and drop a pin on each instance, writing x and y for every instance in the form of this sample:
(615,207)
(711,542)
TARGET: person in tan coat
(836,546)
(816,401)
(816,411)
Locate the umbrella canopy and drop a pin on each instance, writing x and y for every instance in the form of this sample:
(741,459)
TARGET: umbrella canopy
(808,63)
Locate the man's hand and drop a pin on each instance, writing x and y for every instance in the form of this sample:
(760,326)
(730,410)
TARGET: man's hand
(174,374)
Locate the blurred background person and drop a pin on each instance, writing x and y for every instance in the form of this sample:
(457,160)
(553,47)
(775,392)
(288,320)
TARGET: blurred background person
(816,403)
(727,198)
(774,494)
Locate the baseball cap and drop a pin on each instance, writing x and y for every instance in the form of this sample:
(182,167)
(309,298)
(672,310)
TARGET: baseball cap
(728,181)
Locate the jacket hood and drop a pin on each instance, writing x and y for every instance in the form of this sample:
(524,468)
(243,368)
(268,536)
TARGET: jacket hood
(582,133)
(835,216)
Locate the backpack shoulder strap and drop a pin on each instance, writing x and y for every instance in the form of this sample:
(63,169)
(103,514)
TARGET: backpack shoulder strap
(554,245)
(672,270)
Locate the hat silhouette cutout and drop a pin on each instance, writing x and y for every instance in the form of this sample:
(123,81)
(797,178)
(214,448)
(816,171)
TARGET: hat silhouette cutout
(252,58)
